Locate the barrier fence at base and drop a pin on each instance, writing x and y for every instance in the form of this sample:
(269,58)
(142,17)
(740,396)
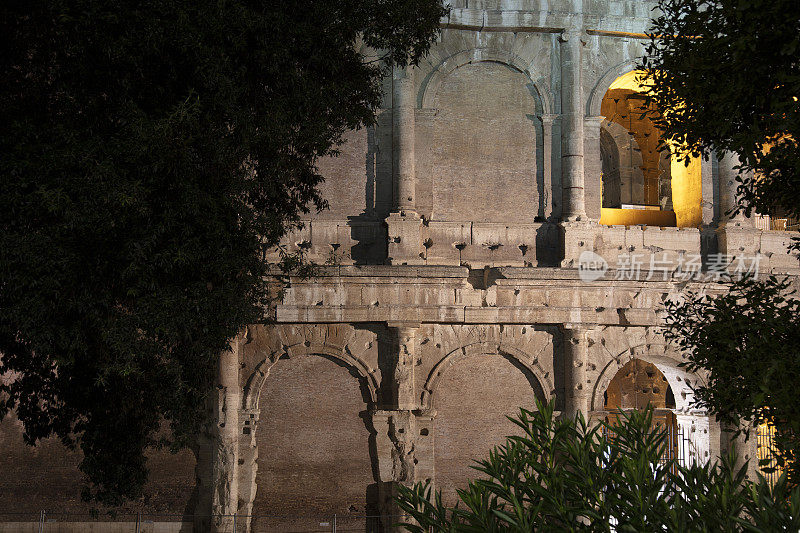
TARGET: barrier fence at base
(56,522)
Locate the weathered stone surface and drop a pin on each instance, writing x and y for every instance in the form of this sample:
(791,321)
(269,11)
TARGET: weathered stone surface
(452,289)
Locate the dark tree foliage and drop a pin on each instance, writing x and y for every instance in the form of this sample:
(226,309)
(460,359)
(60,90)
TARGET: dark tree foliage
(746,341)
(151,153)
(725,75)
(561,475)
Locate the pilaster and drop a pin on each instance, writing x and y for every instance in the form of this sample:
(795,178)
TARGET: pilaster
(225,453)
(400,461)
(404,224)
(727,193)
(403,125)
(577,385)
(737,235)
(572,134)
(593,167)
(696,431)
(746,448)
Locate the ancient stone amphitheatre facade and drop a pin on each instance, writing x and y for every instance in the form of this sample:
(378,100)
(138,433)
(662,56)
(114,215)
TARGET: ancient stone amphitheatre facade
(453,285)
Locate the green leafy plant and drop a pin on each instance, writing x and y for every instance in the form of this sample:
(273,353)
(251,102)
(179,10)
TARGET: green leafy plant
(724,76)
(564,475)
(745,342)
(152,153)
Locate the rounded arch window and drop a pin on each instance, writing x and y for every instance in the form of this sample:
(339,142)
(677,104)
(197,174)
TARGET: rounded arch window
(642,182)
(637,385)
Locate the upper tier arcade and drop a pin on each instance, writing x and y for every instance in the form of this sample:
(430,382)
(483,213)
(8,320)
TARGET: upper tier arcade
(519,141)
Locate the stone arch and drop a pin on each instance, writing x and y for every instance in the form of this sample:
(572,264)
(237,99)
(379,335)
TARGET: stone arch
(542,383)
(485,161)
(255,382)
(595,100)
(679,379)
(432,81)
(315,438)
(469,396)
(638,384)
(697,433)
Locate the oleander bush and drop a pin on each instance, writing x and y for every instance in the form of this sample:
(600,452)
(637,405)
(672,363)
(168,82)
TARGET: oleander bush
(565,475)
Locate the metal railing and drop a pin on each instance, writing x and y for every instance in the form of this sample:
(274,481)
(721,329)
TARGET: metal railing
(765,439)
(768,223)
(677,444)
(63,522)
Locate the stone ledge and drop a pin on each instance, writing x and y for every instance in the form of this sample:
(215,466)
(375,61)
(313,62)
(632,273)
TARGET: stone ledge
(470,315)
(383,271)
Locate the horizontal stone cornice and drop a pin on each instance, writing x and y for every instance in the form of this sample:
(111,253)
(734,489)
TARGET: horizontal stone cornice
(629,24)
(452,314)
(456,295)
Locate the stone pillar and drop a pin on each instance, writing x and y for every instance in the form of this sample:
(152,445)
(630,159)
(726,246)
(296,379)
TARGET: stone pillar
(547,163)
(572,138)
(396,427)
(737,236)
(746,449)
(403,105)
(593,167)
(225,454)
(405,241)
(697,436)
(577,386)
(727,192)
(709,208)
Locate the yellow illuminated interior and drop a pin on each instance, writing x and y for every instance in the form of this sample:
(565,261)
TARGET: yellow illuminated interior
(687,193)
(629,81)
(633,217)
(764,451)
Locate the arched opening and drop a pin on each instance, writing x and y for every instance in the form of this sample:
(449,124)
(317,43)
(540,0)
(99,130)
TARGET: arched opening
(609,154)
(471,401)
(637,385)
(642,182)
(480,147)
(313,445)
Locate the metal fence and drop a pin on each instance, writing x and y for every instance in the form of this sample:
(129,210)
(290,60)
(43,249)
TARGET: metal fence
(768,223)
(765,437)
(677,445)
(58,522)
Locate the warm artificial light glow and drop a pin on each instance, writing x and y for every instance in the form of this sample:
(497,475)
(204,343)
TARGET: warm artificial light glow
(635,217)
(764,451)
(687,192)
(686,182)
(629,81)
